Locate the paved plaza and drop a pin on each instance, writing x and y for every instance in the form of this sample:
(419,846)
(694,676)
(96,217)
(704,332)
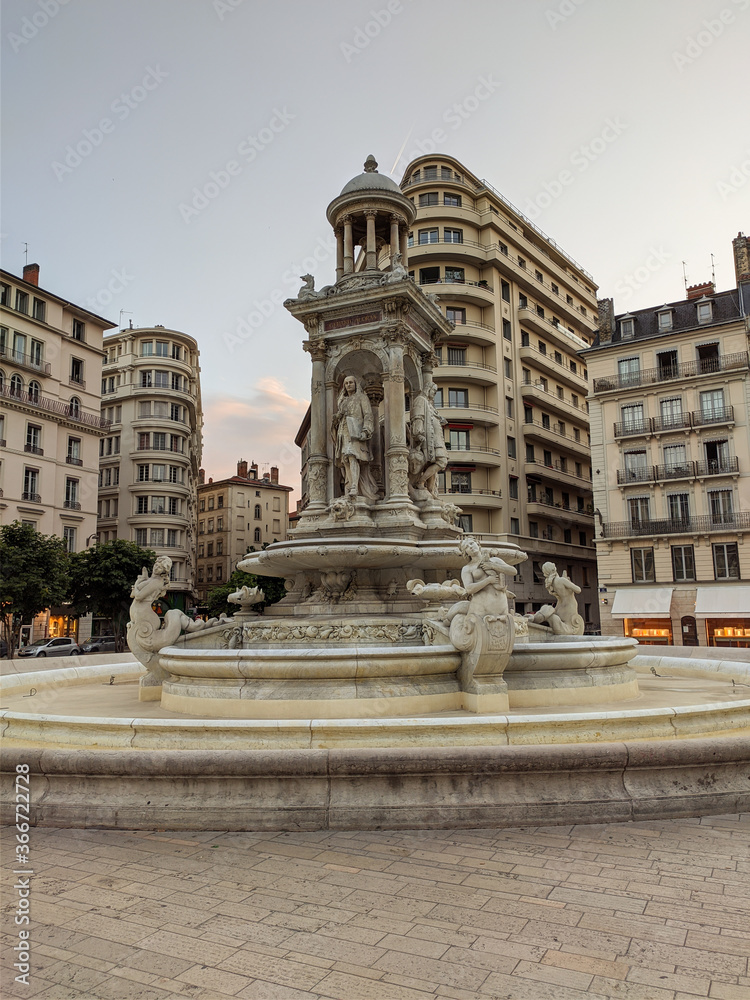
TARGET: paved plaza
(641,911)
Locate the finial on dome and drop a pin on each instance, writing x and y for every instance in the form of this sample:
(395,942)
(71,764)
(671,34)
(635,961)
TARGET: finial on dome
(371,165)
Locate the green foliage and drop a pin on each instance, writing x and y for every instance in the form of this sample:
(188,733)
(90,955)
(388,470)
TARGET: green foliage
(272,587)
(102,578)
(34,572)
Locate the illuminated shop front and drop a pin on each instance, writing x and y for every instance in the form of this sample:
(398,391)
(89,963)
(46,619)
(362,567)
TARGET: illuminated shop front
(724,612)
(645,614)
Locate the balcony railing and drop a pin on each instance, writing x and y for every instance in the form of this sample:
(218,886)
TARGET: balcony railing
(27,361)
(678,526)
(33,449)
(456,281)
(588,512)
(718,467)
(467,406)
(675,422)
(77,380)
(72,505)
(678,470)
(640,475)
(668,373)
(31,497)
(467,364)
(55,406)
(71,460)
(472,447)
(471,492)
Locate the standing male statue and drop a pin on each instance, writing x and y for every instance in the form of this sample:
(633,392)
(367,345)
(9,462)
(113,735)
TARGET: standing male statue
(352,429)
(428,455)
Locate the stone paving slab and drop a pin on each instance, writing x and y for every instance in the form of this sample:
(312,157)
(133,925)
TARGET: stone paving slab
(658,910)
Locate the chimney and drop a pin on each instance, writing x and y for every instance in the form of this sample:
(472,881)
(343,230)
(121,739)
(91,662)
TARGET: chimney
(210,480)
(201,477)
(741,247)
(242,469)
(606,320)
(253,470)
(274,474)
(698,291)
(31,274)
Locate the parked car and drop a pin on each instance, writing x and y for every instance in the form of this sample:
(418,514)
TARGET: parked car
(64,646)
(99,644)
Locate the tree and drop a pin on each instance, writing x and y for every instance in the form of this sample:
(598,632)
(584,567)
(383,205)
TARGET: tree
(272,586)
(34,572)
(101,579)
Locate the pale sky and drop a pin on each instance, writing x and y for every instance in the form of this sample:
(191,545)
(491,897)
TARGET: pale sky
(173,159)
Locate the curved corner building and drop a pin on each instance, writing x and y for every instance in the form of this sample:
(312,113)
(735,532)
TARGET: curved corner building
(149,461)
(512,387)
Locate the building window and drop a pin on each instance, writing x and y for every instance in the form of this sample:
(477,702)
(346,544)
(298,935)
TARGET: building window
(428,236)
(453,235)
(22,301)
(507,330)
(581,537)
(567,536)
(76,371)
(452,200)
(40,310)
(220,547)
(258,512)
(69,535)
(720,503)
(507,368)
(162,349)
(509,406)
(705,311)
(664,318)
(457,316)
(210,549)
(455,274)
(638,509)
(627,328)
(220,502)
(31,485)
(642,565)
(460,482)
(426,200)
(515,527)
(456,355)
(726,561)
(429,275)
(160,441)
(629,371)
(683,563)
(256,535)
(157,537)
(530,455)
(511,447)
(513,488)
(161,380)
(459,440)
(71,494)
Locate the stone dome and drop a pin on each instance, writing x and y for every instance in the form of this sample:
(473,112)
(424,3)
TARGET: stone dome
(370,180)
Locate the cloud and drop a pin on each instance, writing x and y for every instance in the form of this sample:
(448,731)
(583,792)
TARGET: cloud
(260,427)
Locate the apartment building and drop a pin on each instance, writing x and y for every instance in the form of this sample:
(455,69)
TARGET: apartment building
(50,424)
(512,387)
(670,419)
(150,457)
(236,515)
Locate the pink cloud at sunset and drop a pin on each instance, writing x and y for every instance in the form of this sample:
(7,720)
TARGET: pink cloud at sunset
(260,428)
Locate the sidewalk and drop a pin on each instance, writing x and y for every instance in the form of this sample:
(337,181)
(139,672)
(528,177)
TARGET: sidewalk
(646,911)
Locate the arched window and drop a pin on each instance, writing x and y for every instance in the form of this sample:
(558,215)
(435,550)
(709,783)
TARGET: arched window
(2,379)
(16,385)
(75,406)
(34,390)
(258,513)
(256,536)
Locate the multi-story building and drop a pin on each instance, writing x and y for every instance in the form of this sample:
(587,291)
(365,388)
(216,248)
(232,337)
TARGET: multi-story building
(511,385)
(50,424)
(236,515)
(149,458)
(670,420)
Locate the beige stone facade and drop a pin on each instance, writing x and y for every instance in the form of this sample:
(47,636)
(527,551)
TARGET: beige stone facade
(512,387)
(236,515)
(150,457)
(670,422)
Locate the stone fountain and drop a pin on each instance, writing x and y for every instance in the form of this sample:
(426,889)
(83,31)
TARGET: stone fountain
(376,622)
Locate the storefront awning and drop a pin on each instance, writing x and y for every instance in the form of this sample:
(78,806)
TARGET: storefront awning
(723,602)
(643,602)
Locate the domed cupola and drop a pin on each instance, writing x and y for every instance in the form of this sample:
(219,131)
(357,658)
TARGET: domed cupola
(371,213)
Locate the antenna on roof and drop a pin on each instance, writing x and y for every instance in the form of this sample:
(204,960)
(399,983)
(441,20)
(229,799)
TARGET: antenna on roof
(713,271)
(125,312)
(684,274)
(26,251)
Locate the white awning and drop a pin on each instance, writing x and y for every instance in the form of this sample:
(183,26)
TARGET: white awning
(646,602)
(723,602)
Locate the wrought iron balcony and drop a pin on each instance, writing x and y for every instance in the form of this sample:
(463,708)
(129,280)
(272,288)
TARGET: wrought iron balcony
(27,361)
(645,475)
(677,470)
(31,497)
(33,449)
(72,505)
(719,415)
(73,461)
(718,467)
(671,422)
(633,428)
(668,373)
(55,407)
(703,523)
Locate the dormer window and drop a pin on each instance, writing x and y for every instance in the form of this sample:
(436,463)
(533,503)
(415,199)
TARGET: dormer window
(664,319)
(627,328)
(705,309)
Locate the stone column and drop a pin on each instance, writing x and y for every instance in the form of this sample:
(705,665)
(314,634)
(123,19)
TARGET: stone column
(318,459)
(339,253)
(395,248)
(371,254)
(397,452)
(348,245)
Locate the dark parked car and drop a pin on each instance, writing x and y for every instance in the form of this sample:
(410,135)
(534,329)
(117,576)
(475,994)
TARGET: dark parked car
(99,644)
(63,646)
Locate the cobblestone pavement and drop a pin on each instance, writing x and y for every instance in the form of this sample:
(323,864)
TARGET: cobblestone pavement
(641,911)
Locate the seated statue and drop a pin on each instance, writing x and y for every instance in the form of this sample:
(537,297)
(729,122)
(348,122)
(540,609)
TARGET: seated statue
(562,617)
